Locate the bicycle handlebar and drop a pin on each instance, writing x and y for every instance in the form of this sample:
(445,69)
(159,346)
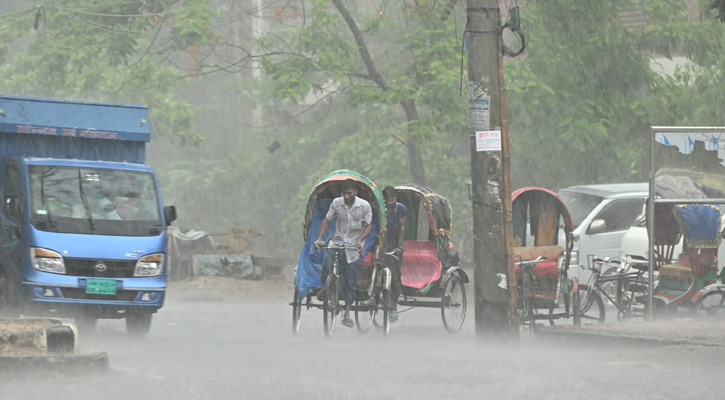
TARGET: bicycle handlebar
(598,260)
(529,262)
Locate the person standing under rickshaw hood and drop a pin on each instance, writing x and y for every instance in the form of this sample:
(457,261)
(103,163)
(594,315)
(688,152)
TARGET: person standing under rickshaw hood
(395,232)
(353,222)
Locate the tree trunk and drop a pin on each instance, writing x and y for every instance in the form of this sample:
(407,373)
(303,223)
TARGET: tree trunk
(415,160)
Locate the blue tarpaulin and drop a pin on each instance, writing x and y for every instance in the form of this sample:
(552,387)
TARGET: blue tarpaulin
(701,224)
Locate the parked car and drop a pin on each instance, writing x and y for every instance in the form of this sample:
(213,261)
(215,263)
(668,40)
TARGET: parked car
(601,215)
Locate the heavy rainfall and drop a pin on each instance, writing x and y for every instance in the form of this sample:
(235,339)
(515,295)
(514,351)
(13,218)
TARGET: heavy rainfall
(167,168)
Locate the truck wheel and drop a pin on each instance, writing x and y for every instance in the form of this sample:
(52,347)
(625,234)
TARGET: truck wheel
(138,323)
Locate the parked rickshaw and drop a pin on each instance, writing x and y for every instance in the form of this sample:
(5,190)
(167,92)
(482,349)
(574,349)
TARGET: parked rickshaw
(542,230)
(373,277)
(690,279)
(430,272)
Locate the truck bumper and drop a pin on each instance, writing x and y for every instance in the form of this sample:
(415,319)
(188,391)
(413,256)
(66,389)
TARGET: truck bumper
(138,294)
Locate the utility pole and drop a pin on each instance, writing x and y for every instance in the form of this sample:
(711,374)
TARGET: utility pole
(494,274)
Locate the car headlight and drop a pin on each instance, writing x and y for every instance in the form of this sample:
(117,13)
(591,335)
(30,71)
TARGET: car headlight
(46,260)
(150,265)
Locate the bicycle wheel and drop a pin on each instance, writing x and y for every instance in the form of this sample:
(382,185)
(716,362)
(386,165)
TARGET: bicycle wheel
(364,314)
(711,305)
(378,314)
(296,312)
(591,306)
(453,304)
(610,287)
(330,305)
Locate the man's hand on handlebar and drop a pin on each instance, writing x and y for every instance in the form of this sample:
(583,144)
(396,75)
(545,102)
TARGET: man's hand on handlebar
(319,244)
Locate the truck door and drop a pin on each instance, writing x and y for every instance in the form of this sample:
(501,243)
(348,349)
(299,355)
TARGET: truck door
(11,222)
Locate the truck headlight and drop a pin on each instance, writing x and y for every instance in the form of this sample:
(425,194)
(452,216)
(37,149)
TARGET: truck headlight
(150,265)
(46,260)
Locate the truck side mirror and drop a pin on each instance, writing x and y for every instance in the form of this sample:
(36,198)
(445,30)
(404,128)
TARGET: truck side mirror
(169,214)
(11,206)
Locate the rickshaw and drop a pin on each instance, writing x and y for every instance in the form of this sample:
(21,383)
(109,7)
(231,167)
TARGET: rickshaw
(430,272)
(542,230)
(317,268)
(690,279)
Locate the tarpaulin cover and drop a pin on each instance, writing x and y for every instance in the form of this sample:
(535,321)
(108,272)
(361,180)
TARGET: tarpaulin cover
(311,260)
(701,224)
(420,263)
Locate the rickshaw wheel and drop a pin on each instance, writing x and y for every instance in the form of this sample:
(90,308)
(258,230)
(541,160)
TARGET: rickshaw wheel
(710,305)
(330,305)
(364,314)
(296,312)
(453,304)
(386,311)
(591,308)
(527,323)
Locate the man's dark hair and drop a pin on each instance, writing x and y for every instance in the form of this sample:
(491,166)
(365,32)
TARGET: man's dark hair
(389,192)
(349,184)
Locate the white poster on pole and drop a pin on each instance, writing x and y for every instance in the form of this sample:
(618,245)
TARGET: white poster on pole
(488,140)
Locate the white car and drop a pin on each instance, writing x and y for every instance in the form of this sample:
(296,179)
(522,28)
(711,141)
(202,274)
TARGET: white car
(601,215)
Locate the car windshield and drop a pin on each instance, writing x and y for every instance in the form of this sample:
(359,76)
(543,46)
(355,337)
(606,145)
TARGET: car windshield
(579,205)
(72,199)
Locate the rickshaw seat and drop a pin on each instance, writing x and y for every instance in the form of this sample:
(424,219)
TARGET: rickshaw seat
(420,263)
(548,267)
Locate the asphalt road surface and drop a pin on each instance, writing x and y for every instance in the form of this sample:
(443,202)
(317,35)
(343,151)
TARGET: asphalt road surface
(208,344)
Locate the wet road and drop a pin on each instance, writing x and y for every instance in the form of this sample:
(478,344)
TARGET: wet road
(220,349)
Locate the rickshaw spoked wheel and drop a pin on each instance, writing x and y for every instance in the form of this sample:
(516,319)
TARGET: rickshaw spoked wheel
(527,323)
(365,314)
(711,305)
(296,312)
(386,311)
(453,304)
(330,305)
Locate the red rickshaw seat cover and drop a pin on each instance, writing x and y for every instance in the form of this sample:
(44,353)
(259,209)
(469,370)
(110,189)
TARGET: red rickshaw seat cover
(420,263)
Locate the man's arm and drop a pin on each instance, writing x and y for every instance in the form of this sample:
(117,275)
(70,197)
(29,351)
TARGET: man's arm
(401,235)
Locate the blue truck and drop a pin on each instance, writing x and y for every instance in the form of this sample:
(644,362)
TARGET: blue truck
(82,223)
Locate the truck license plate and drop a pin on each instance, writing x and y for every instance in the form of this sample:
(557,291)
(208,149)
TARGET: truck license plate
(100,286)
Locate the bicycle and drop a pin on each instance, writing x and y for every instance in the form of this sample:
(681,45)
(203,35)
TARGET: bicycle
(627,284)
(525,310)
(331,306)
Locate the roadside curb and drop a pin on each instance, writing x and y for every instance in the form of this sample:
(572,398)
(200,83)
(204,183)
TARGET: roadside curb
(568,336)
(54,363)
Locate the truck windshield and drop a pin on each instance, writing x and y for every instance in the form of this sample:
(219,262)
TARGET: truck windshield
(97,201)
(580,205)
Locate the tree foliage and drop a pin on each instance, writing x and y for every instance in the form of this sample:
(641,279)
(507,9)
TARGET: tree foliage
(105,51)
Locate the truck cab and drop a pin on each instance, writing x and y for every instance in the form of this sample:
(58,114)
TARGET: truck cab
(82,223)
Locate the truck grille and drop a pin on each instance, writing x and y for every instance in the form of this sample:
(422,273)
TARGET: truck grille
(87,267)
(80,293)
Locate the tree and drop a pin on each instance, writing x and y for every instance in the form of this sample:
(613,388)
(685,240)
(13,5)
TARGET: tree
(105,51)
(389,56)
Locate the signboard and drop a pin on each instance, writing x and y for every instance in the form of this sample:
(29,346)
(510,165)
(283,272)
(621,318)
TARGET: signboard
(488,141)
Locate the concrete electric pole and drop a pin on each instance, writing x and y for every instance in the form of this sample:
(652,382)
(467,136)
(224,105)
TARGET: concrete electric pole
(494,274)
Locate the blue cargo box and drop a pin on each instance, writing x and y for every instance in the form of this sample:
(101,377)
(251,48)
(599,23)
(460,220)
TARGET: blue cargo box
(35,127)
